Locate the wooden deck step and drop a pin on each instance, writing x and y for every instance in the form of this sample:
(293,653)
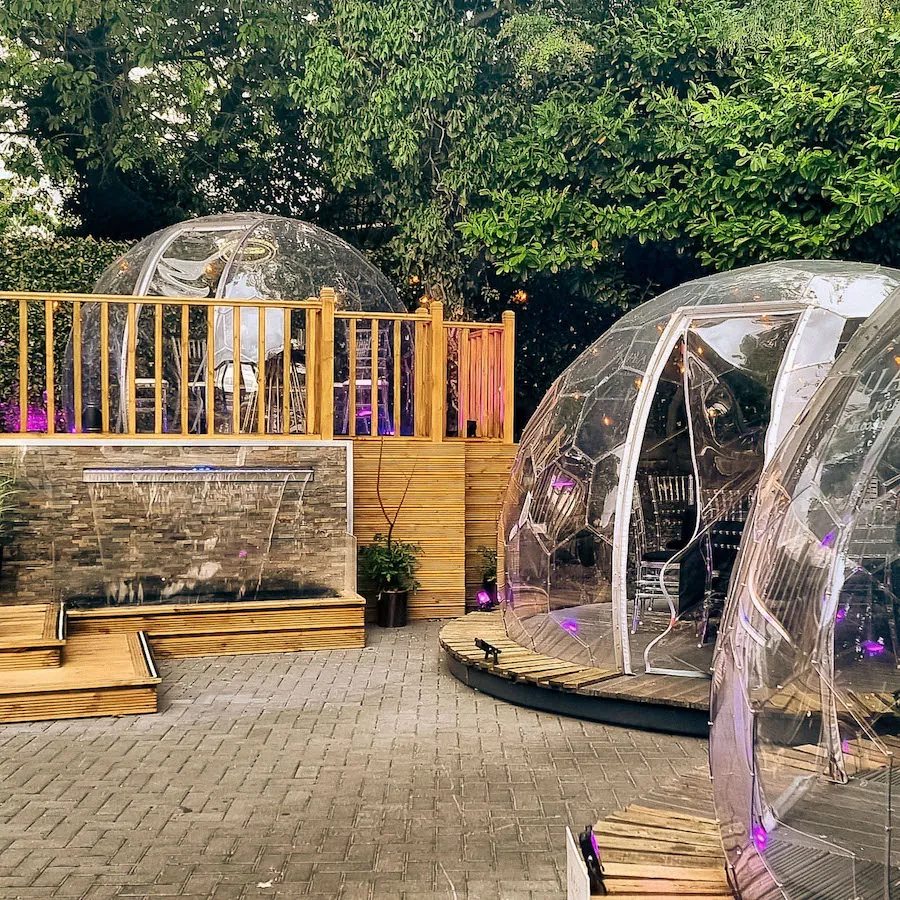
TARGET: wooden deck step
(31,636)
(651,854)
(215,629)
(100,675)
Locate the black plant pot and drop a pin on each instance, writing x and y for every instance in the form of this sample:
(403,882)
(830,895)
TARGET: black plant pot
(392,609)
(490,589)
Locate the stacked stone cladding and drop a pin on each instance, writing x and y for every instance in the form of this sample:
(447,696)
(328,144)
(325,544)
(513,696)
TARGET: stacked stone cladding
(202,538)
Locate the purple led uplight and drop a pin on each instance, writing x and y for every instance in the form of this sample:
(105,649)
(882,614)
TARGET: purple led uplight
(36,418)
(760,838)
(841,614)
(829,539)
(563,483)
(872,648)
(569,625)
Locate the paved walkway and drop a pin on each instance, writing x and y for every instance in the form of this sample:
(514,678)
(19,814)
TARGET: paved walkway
(344,774)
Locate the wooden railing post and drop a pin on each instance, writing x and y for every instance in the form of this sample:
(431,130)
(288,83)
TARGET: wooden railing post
(23,365)
(76,364)
(463,407)
(438,372)
(131,368)
(509,374)
(420,376)
(311,355)
(326,366)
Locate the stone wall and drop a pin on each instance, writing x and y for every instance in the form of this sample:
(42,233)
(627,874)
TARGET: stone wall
(153,522)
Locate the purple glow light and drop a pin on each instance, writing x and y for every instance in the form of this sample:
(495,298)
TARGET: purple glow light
(829,539)
(36,418)
(872,648)
(242,554)
(760,838)
(840,615)
(845,745)
(483,598)
(563,483)
(569,625)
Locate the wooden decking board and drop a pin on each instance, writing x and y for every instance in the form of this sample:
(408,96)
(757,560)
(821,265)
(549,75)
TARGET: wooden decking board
(181,646)
(653,832)
(639,864)
(631,870)
(582,679)
(689,693)
(658,896)
(661,820)
(216,629)
(665,887)
(105,675)
(29,636)
(206,616)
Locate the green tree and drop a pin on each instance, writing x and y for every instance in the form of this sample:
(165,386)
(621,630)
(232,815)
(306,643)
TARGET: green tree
(569,156)
(154,110)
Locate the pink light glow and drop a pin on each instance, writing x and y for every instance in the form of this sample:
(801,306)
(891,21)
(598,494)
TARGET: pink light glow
(829,539)
(563,483)
(872,648)
(483,598)
(760,838)
(840,615)
(569,625)
(35,420)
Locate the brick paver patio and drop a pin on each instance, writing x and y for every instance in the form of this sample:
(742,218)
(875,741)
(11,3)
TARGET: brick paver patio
(344,774)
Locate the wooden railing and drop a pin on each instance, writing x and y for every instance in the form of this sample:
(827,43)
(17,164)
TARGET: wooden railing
(91,364)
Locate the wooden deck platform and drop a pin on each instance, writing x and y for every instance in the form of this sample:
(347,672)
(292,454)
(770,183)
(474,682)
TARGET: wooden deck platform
(659,702)
(31,636)
(101,675)
(652,854)
(665,846)
(215,629)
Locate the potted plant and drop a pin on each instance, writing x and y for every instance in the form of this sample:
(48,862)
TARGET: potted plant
(391,566)
(487,596)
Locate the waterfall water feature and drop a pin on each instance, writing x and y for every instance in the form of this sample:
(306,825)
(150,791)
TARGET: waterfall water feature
(206,532)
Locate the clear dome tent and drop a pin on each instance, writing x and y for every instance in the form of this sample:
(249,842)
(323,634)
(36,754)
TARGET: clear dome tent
(806,680)
(240,256)
(629,494)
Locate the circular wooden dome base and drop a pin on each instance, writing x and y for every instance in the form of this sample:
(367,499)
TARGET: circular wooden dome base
(519,675)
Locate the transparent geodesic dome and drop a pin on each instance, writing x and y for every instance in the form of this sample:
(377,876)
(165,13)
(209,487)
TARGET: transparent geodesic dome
(807,672)
(240,256)
(629,494)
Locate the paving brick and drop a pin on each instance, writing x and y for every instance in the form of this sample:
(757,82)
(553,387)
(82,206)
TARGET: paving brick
(346,774)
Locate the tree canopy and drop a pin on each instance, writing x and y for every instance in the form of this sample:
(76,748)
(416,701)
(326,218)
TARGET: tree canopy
(569,157)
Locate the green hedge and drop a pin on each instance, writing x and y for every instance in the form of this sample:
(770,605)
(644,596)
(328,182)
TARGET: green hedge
(49,264)
(55,264)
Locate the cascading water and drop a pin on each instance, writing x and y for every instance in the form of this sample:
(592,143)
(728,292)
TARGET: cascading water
(212,530)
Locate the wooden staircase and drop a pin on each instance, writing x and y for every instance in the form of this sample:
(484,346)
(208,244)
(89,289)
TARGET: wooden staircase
(48,674)
(31,636)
